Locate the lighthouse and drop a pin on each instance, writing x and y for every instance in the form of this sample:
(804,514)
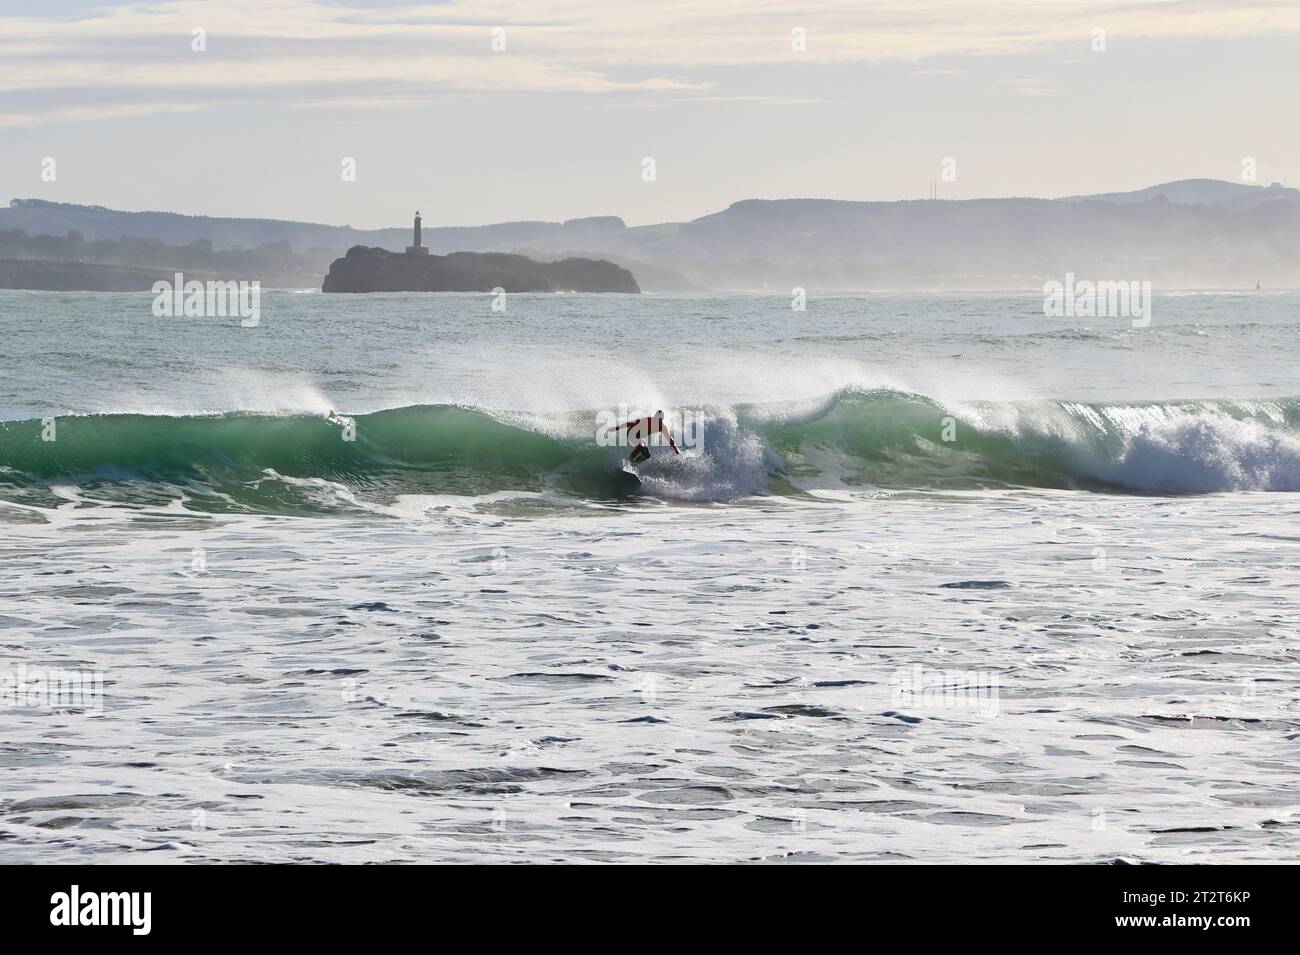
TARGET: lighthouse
(417,248)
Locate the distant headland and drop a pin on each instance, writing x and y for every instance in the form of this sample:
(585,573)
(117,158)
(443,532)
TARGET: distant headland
(366,269)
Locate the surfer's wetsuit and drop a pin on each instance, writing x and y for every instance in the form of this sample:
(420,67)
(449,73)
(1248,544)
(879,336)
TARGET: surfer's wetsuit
(639,429)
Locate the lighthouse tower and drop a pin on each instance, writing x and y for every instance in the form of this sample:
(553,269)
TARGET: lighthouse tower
(418,248)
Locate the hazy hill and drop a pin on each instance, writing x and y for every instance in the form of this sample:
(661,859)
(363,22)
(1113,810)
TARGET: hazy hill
(1208,192)
(1195,232)
(69,262)
(988,242)
(39,217)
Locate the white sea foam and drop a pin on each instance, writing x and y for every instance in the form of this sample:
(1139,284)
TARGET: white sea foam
(1207,452)
(731,463)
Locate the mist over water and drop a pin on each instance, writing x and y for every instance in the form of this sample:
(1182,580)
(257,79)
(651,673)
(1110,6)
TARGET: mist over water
(73,353)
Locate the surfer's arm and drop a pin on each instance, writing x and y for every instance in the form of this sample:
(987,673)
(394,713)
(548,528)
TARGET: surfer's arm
(669,435)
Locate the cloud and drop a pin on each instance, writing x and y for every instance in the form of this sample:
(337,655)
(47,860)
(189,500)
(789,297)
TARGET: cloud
(309,52)
(1028,85)
(81,114)
(702,100)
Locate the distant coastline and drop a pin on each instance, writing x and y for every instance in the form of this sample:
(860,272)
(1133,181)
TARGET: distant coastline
(1195,233)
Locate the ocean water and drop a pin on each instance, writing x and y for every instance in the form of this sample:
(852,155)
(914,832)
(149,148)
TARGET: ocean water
(937,579)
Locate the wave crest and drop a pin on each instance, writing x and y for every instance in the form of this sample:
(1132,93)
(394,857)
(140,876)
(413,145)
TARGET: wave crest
(853,438)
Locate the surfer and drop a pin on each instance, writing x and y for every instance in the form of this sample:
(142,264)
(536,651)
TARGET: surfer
(641,429)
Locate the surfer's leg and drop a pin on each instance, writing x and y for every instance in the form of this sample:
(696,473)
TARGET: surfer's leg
(639,454)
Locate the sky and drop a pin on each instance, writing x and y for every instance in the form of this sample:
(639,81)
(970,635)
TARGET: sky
(478,111)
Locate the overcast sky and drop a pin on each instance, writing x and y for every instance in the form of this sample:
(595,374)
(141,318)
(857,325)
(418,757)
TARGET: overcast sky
(558,124)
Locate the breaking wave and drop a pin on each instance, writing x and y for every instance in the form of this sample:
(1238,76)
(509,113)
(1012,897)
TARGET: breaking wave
(853,438)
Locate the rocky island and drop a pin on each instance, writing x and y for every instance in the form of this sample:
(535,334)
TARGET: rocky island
(366,269)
